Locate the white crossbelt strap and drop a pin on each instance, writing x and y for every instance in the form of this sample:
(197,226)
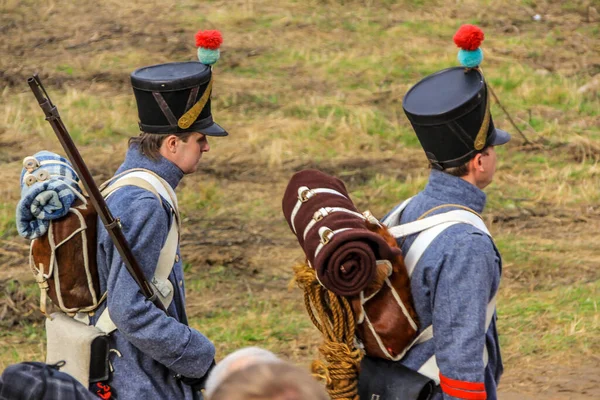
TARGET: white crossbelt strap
(421,244)
(429,222)
(161,186)
(429,229)
(145,179)
(392,218)
(104,323)
(166,260)
(164,266)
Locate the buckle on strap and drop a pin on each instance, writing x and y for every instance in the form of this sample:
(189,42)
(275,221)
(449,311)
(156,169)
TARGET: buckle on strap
(304,193)
(371,218)
(320,214)
(162,287)
(326,234)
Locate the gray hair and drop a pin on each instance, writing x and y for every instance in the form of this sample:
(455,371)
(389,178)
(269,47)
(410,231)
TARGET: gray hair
(270,381)
(235,361)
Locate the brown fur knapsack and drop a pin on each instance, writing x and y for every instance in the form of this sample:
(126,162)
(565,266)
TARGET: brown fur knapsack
(64,261)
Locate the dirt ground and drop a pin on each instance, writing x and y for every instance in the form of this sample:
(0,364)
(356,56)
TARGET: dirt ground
(260,249)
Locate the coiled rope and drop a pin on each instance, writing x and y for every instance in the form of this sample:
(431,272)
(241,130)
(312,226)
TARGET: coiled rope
(332,315)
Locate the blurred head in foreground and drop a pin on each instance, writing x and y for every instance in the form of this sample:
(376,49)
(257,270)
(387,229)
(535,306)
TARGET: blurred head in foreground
(235,361)
(270,381)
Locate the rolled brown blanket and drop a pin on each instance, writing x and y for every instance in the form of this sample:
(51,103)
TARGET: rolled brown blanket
(332,232)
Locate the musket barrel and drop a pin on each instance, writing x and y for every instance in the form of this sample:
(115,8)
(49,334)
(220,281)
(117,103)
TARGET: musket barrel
(35,89)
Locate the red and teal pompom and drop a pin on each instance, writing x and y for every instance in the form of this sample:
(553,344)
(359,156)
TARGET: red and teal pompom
(469,37)
(210,39)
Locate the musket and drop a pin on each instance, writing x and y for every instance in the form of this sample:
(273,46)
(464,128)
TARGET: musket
(111,224)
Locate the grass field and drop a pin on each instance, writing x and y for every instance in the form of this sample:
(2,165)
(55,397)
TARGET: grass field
(319,83)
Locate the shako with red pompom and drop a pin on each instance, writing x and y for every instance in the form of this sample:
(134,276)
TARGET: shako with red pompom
(469,38)
(208,43)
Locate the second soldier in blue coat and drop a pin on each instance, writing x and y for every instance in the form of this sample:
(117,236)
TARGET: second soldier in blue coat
(454,283)
(155,355)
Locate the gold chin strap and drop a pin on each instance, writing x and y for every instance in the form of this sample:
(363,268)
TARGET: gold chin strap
(191,115)
(481,137)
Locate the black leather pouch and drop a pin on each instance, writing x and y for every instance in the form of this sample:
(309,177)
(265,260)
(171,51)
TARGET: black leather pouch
(99,367)
(381,379)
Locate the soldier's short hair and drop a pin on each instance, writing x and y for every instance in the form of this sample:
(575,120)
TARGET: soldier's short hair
(462,170)
(459,171)
(150,143)
(270,381)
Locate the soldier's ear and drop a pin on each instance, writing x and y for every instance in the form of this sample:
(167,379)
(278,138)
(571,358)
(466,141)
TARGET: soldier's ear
(170,143)
(477,164)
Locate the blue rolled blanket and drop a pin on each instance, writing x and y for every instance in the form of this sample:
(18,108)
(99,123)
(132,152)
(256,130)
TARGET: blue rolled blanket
(49,186)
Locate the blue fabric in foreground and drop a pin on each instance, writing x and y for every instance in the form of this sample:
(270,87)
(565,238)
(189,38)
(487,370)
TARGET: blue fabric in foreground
(39,381)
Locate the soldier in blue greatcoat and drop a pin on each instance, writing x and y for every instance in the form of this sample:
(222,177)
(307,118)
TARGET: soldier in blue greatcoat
(155,355)
(455,281)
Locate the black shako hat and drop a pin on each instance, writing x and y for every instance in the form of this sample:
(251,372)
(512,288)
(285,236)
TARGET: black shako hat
(450,109)
(175,98)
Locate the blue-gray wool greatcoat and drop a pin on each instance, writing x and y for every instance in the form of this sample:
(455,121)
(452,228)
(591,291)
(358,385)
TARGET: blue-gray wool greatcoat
(451,285)
(152,347)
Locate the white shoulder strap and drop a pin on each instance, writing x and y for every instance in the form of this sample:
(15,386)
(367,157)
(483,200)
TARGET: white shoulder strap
(160,281)
(164,266)
(392,218)
(419,225)
(161,186)
(421,243)
(429,229)
(155,184)
(130,181)
(166,260)
(104,323)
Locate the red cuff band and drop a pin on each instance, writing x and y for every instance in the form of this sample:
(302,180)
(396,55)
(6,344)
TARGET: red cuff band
(463,389)
(464,385)
(461,394)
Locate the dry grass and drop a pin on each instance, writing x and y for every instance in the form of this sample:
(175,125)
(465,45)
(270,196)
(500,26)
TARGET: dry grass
(319,84)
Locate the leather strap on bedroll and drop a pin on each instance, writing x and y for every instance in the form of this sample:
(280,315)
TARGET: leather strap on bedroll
(382,379)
